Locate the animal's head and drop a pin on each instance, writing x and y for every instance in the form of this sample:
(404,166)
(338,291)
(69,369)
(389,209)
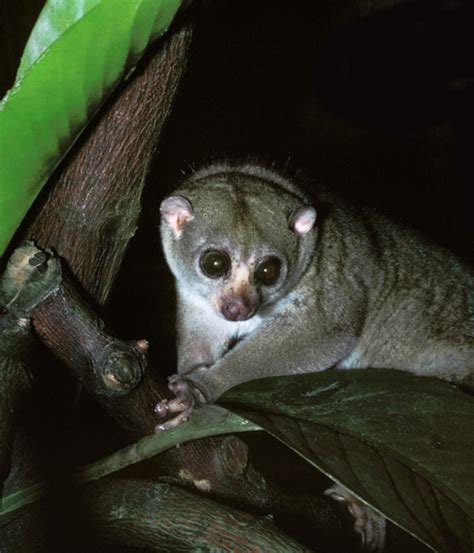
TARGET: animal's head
(238,238)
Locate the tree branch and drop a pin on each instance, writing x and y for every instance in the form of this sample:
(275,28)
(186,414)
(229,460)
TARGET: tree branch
(74,333)
(153,516)
(91,208)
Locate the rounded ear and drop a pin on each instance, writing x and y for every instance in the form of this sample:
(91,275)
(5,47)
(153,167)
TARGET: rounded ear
(176,211)
(302,220)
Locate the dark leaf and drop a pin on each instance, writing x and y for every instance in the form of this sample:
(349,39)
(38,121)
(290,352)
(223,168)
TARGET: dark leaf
(403,444)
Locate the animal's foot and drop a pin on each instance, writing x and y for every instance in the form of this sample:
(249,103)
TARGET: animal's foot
(183,404)
(367,523)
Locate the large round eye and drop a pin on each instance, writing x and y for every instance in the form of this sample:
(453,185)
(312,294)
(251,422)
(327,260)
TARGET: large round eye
(215,264)
(268,271)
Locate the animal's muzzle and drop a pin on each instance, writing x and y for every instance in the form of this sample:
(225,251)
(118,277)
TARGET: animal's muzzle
(238,309)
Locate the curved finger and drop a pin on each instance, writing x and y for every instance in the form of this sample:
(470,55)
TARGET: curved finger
(161,408)
(175,421)
(181,403)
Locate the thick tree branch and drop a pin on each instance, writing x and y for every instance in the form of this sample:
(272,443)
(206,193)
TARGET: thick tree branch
(93,200)
(153,516)
(165,518)
(74,333)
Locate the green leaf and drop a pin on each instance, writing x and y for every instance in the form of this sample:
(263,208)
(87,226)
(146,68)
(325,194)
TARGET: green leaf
(77,54)
(209,420)
(56,17)
(402,444)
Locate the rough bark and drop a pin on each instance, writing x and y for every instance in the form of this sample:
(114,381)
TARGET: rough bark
(153,516)
(92,205)
(34,287)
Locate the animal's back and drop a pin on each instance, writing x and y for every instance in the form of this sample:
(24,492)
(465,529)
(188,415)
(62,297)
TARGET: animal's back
(419,312)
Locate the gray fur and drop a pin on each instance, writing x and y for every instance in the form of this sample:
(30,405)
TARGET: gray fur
(359,291)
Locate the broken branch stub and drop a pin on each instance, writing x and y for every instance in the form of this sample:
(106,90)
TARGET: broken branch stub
(39,287)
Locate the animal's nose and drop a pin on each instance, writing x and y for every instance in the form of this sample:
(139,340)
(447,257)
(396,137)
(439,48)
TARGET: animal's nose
(237,310)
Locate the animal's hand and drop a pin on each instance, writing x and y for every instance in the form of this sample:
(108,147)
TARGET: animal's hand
(187,395)
(370,526)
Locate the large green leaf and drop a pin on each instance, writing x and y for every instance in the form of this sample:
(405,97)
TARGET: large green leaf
(402,444)
(56,17)
(78,52)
